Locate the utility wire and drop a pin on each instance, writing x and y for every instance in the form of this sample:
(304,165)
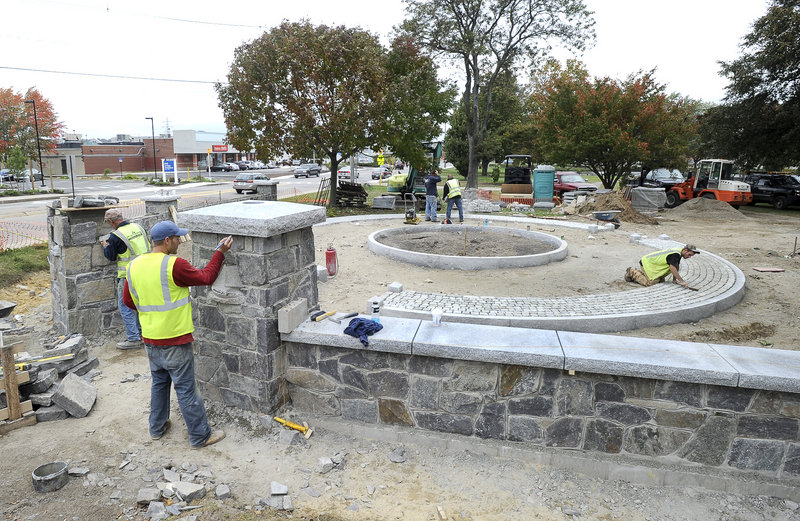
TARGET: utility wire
(108,75)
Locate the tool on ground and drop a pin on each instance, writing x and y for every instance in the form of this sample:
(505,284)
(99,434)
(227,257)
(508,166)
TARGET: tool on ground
(338,320)
(410,213)
(305,429)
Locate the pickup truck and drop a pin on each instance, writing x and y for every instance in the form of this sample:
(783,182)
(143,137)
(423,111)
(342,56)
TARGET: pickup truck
(779,190)
(571,182)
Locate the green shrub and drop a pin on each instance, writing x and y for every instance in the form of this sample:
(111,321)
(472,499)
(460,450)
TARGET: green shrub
(130,177)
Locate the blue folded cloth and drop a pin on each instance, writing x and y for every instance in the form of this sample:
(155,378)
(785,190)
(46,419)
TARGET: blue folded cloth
(361,327)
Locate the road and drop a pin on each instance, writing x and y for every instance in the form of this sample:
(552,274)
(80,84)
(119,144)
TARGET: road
(133,191)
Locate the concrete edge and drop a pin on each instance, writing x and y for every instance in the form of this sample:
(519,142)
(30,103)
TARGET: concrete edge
(453,262)
(594,465)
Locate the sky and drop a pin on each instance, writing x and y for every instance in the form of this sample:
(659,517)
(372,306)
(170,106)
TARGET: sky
(194,41)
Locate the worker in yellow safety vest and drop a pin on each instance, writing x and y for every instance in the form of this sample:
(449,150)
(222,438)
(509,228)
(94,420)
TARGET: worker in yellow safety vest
(126,242)
(654,267)
(158,286)
(452,194)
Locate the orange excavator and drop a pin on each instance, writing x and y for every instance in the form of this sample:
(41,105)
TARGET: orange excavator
(713,180)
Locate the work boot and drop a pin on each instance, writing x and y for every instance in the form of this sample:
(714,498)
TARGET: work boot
(214,438)
(129,344)
(628,277)
(166,428)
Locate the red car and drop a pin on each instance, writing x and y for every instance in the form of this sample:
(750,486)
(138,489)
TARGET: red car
(571,182)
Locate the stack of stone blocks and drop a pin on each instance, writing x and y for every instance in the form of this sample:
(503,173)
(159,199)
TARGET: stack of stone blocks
(271,263)
(525,392)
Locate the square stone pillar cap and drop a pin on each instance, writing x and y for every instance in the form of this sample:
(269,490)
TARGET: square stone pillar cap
(252,218)
(158,198)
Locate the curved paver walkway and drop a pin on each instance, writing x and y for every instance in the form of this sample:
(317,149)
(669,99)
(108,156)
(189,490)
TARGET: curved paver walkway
(721,286)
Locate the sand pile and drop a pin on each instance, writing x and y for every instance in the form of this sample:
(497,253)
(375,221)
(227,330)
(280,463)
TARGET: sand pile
(702,208)
(614,201)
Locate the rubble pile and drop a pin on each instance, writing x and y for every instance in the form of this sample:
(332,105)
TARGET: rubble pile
(89,201)
(59,383)
(610,201)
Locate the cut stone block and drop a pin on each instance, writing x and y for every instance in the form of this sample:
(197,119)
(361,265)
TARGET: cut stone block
(44,381)
(52,413)
(44,399)
(322,274)
(396,287)
(292,315)
(75,395)
(146,495)
(189,491)
(84,367)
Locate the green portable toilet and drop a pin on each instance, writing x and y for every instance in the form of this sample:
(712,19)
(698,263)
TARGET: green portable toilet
(544,176)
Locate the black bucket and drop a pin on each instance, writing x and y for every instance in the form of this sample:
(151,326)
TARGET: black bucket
(50,476)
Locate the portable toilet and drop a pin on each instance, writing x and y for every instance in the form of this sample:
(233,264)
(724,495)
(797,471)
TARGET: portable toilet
(544,177)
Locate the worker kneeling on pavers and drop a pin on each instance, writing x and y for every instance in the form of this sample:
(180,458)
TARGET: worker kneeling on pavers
(654,267)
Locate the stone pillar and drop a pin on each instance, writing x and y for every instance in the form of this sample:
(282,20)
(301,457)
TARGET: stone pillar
(271,263)
(83,281)
(267,190)
(158,206)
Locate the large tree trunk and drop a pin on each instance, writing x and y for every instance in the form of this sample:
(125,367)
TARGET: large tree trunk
(473,123)
(334,199)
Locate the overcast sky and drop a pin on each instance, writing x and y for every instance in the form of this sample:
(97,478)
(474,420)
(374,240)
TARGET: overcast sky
(163,39)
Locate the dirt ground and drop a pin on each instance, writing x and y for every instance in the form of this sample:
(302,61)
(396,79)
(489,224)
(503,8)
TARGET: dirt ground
(367,485)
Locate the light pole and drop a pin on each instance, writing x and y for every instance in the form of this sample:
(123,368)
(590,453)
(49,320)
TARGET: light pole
(153,130)
(38,146)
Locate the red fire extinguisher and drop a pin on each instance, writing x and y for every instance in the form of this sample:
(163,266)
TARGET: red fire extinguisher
(331,262)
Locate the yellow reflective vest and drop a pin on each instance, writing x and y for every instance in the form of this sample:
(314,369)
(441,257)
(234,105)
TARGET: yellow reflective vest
(164,307)
(655,264)
(135,239)
(454,190)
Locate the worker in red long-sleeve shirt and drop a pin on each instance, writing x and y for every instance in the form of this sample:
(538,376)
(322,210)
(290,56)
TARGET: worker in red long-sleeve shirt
(157,286)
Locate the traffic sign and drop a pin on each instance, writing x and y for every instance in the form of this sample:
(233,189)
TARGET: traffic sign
(380,159)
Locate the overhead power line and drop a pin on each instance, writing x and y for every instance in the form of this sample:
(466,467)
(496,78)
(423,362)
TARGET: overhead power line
(96,75)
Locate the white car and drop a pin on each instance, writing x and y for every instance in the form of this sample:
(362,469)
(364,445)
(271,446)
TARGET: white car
(344,172)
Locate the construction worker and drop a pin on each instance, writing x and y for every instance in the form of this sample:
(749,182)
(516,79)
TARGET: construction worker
(452,194)
(654,267)
(431,194)
(167,327)
(125,243)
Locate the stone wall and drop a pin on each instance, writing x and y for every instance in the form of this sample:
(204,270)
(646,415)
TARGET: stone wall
(682,423)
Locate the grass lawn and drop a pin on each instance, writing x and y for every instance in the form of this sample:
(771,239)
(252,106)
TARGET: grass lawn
(18,263)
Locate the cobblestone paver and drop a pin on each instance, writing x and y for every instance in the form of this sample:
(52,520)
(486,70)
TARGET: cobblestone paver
(721,283)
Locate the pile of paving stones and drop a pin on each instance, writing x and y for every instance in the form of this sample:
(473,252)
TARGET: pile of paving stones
(61,387)
(89,201)
(481,206)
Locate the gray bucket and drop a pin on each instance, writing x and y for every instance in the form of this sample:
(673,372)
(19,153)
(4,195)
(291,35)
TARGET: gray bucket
(50,476)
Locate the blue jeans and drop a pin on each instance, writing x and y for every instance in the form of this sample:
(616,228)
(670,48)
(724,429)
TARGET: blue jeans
(133,331)
(175,364)
(430,207)
(457,202)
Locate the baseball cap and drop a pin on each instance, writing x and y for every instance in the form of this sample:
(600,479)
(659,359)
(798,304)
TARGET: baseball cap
(113,214)
(692,247)
(163,229)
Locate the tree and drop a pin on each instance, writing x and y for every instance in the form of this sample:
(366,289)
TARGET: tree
(336,89)
(609,126)
(17,124)
(759,125)
(492,36)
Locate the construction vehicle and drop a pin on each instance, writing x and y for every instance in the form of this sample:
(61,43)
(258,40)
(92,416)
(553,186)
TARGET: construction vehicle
(414,181)
(712,180)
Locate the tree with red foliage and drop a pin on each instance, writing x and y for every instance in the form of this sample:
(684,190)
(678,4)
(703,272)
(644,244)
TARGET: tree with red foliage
(18,127)
(610,126)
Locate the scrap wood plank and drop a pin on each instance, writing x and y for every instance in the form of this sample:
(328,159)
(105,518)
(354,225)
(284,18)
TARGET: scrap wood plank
(769,270)
(174,213)
(24,407)
(12,409)
(22,377)
(441,512)
(28,418)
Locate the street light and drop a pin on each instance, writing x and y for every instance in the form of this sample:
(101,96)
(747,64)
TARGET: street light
(153,130)
(38,147)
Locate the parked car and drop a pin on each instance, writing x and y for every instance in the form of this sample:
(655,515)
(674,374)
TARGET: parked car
(344,172)
(779,190)
(25,175)
(398,165)
(257,165)
(6,175)
(382,172)
(307,170)
(243,165)
(272,164)
(225,167)
(296,162)
(571,182)
(663,178)
(244,182)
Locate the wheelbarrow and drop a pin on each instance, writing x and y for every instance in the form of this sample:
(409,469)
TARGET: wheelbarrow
(608,216)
